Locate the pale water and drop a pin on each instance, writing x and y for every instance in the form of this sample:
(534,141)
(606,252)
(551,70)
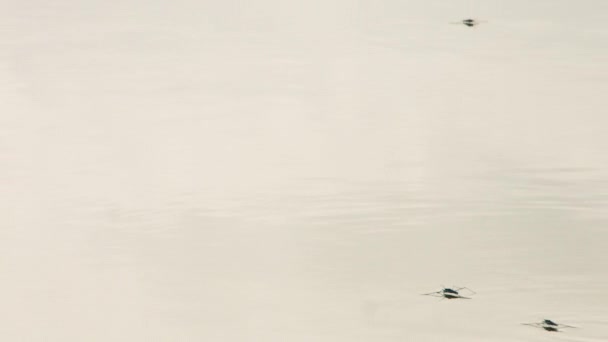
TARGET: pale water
(302,171)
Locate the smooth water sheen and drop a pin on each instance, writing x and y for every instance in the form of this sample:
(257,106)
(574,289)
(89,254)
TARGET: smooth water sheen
(302,171)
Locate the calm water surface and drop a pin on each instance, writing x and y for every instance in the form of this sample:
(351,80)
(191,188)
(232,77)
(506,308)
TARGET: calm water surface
(278,172)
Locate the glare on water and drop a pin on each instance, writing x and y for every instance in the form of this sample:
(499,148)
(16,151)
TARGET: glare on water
(302,171)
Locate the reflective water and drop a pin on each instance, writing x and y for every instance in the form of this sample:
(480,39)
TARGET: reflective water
(302,171)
